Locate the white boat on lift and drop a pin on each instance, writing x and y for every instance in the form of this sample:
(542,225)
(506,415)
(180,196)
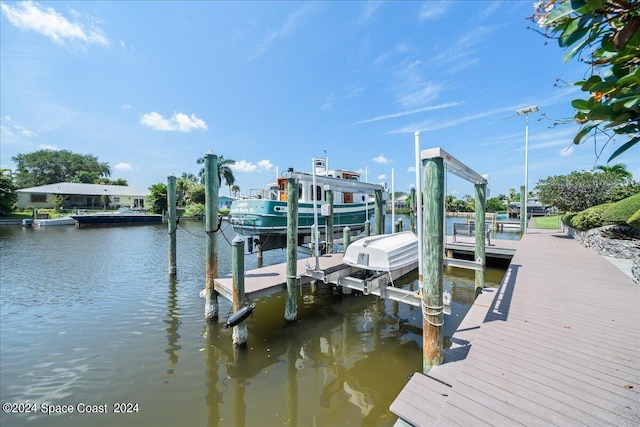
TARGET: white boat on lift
(387,252)
(63,220)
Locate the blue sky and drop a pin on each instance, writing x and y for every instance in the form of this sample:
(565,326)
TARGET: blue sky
(149,87)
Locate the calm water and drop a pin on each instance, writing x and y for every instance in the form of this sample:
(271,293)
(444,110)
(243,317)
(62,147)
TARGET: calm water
(90,316)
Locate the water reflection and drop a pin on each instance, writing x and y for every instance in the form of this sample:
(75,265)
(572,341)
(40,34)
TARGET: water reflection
(173,322)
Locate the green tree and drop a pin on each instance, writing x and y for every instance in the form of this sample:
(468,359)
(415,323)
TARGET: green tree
(158,197)
(578,190)
(51,166)
(235,189)
(495,204)
(619,170)
(605,35)
(8,195)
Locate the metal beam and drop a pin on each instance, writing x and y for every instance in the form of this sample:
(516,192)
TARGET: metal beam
(339,184)
(454,165)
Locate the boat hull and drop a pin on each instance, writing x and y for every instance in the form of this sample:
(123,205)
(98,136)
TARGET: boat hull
(385,252)
(259,216)
(65,220)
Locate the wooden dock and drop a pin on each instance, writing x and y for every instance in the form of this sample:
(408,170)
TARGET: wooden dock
(267,280)
(504,249)
(557,344)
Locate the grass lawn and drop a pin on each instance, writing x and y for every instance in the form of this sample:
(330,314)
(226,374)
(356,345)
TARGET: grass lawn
(547,222)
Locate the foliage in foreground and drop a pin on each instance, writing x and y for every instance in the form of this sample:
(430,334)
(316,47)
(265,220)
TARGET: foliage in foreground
(605,35)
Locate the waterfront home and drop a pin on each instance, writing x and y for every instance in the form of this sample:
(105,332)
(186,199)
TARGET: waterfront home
(82,196)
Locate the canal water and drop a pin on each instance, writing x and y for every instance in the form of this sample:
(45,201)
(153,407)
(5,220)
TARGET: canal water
(93,330)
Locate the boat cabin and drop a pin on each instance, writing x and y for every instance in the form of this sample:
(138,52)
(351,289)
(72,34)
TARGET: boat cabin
(306,193)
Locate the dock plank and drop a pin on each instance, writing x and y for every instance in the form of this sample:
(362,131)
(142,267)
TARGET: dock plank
(559,344)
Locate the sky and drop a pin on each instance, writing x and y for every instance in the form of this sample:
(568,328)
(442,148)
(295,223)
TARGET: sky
(149,87)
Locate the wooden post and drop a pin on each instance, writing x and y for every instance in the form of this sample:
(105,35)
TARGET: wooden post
(172,223)
(378,213)
(523,215)
(432,253)
(291,305)
(346,239)
(367,228)
(259,253)
(211,228)
(240,334)
(481,229)
(329,238)
(412,212)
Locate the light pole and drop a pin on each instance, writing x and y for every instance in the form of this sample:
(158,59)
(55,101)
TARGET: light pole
(525,112)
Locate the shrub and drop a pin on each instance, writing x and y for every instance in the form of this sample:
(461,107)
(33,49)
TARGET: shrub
(589,218)
(620,212)
(566,218)
(634,220)
(194,210)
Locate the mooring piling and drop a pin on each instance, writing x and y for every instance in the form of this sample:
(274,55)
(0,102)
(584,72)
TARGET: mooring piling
(432,252)
(346,238)
(240,333)
(523,215)
(211,228)
(481,236)
(291,305)
(172,223)
(379,213)
(329,237)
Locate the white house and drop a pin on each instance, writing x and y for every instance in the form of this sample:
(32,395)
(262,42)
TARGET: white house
(82,196)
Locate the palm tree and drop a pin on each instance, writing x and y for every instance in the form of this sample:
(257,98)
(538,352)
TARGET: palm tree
(224,171)
(235,189)
(619,170)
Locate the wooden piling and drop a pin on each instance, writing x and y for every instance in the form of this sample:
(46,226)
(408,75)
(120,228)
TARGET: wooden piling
(412,212)
(432,253)
(367,228)
(211,228)
(291,305)
(329,237)
(523,215)
(379,213)
(480,240)
(172,223)
(240,334)
(346,239)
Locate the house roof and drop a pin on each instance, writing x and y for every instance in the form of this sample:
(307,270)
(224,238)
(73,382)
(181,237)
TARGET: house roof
(86,189)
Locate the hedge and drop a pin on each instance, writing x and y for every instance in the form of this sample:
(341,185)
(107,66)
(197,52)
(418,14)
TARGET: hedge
(620,212)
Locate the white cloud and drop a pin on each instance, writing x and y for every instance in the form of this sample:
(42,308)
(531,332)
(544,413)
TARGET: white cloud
(265,165)
(125,107)
(10,127)
(381,177)
(178,122)
(411,90)
(409,112)
(289,25)
(328,103)
(123,167)
(249,167)
(431,10)
(411,169)
(51,147)
(48,22)
(381,159)
(370,9)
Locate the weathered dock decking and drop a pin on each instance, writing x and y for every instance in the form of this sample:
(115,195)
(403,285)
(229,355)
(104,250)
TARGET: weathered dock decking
(557,344)
(504,249)
(270,279)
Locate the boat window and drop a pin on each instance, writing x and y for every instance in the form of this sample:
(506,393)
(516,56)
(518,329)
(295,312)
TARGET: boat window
(348,198)
(299,191)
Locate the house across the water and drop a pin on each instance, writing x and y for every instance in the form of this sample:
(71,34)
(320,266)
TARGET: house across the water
(82,196)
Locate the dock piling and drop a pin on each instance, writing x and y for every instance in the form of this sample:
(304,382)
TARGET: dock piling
(291,307)
(329,237)
(172,223)
(480,240)
(346,238)
(432,253)
(211,228)
(379,213)
(240,334)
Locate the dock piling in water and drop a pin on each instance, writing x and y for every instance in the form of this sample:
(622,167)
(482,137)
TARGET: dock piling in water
(432,241)
(240,333)
(291,307)
(172,223)
(480,240)
(211,228)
